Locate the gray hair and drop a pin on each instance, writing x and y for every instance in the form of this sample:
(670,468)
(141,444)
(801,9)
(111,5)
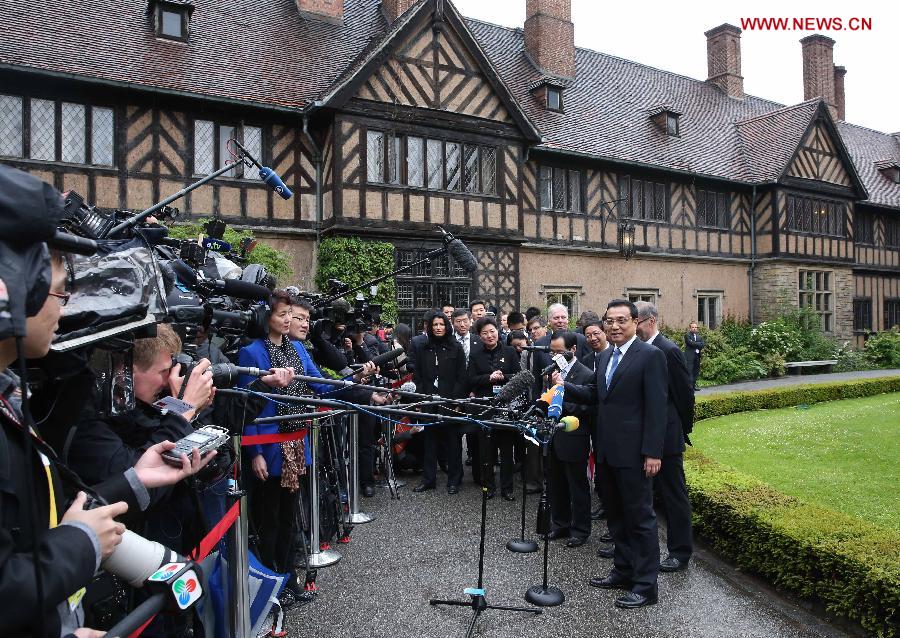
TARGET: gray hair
(557,306)
(647,310)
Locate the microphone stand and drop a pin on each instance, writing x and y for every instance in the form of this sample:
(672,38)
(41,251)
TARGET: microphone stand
(477,600)
(522,545)
(545,595)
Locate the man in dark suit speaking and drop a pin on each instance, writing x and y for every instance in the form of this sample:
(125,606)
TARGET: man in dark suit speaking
(629,388)
(670,483)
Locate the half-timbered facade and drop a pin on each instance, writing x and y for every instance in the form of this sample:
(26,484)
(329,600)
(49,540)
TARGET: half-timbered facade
(390,117)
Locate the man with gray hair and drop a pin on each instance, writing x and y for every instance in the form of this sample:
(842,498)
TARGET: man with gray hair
(558,321)
(670,482)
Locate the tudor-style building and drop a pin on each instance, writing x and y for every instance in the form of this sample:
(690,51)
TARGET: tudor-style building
(388,117)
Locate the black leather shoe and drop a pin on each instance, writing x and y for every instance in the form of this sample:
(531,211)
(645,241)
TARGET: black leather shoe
(607,552)
(533,489)
(452,489)
(610,582)
(576,541)
(423,487)
(558,533)
(509,496)
(632,600)
(368,491)
(672,564)
(606,538)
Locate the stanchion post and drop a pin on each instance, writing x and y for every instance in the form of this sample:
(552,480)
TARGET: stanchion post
(355,516)
(238,559)
(317,557)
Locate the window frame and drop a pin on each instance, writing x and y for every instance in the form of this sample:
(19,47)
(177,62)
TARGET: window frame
(183,13)
(642,294)
(719,297)
(870,222)
(795,219)
(241,172)
(703,195)
(861,316)
(554,293)
(567,174)
(672,124)
(891,233)
(891,307)
(559,98)
(441,274)
(629,199)
(813,296)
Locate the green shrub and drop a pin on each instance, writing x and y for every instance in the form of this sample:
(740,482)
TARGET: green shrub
(849,359)
(774,364)
(713,405)
(356,261)
(851,566)
(883,349)
(738,332)
(777,337)
(275,262)
(733,364)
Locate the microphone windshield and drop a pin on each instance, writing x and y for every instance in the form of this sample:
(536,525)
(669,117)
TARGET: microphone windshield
(519,384)
(274,182)
(463,256)
(570,422)
(387,356)
(409,386)
(185,273)
(245,290)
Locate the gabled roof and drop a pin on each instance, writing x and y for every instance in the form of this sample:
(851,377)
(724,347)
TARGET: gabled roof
(343,89)
(769,141)
(866,147)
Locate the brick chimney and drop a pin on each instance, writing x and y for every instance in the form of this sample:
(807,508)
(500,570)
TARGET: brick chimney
(818,69)
(327,10)
(393,9)
(839,104)
(723,59)
(550,36)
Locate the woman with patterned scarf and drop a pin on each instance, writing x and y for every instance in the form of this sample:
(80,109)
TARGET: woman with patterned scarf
(279,466)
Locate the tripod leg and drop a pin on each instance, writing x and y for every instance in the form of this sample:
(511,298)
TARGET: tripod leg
(471,631)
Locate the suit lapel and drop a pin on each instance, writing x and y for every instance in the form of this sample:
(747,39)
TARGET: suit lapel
(625,361)
(600,371)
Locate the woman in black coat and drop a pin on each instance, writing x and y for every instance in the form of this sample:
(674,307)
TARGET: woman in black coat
(440,368)
(491,365)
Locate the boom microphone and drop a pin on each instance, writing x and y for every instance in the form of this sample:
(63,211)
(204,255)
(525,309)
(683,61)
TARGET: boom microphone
(461,255)
(274,182)
(519,384)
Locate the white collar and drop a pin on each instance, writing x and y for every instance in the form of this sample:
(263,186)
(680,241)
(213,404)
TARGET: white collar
(653,338)
(624,347)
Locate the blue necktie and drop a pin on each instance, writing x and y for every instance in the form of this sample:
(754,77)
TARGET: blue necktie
(612,369)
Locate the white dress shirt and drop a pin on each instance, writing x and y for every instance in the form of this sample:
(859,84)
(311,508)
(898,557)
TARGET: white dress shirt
(622,350)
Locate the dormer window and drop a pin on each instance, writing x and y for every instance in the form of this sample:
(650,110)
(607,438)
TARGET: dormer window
(172,19)
(666,119)
(548,91)
(890,169)
(554,98)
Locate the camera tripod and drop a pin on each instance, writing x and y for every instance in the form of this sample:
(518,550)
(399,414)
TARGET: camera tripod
(477,601)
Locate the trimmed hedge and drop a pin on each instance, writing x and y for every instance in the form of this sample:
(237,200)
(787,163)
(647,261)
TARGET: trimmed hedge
(715,405)
(851,566)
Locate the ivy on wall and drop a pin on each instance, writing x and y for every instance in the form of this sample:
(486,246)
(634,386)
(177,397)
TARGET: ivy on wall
(355,261)
(274,261)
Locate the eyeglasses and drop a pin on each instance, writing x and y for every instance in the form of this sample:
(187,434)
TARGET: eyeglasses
(622,321)
(61,297)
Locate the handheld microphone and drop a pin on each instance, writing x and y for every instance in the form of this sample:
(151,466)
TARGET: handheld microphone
(559,362)
(567,424)
(519,384)
(556,402)
(274,182)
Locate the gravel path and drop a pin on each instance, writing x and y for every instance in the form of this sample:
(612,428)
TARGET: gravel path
(426,545)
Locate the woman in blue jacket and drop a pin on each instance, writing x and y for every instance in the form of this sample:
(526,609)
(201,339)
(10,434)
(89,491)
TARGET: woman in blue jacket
(278,466)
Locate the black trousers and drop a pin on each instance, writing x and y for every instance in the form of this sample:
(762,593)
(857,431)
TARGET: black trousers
(368,424)
(570,497)
(486,444)
(695,367)
(274,511)
(672,489)
(442,437)
(628,498)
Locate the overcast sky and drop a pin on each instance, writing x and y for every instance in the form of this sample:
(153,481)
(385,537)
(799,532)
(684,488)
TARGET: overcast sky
(669,35)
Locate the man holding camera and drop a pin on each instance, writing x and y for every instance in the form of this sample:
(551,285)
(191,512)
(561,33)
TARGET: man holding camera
(47,559)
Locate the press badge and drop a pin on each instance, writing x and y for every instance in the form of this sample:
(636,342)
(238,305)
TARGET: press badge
(497,389)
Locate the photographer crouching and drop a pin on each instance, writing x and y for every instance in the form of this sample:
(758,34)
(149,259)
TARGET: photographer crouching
(46,559)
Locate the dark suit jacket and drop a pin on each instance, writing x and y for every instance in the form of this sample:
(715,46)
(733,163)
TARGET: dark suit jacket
(542,359)
(631,415)
(482,363)
(574,447)
(588,359)
(680,412)
(692,343)
(445,361)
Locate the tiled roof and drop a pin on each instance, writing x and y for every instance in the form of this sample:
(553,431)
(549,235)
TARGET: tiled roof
(262,51)
(265,52)
(867,147)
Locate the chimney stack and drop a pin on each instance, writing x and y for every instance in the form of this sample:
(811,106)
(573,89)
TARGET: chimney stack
(723,59)
(327,10)
(839,104)
(818,69)
(393,9)
(550,36)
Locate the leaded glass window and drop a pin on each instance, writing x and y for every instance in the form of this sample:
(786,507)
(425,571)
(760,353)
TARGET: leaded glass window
(435,163)
(488,170)
(11,133)
(253,143)
(204,147)
(43,130)
(546,187)
(452,155)
(575,191)
(102,136)
(470,168)
(393,159)
(375,156)
(414,161)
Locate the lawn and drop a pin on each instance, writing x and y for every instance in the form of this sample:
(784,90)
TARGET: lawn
(842,455)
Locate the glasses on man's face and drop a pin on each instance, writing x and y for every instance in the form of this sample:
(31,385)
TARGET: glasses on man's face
(61,297)
(620,321)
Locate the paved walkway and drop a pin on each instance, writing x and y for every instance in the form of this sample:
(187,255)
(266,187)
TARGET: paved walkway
(426,545)
(765,384)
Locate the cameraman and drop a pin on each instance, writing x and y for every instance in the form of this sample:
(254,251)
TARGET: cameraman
(46,560)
